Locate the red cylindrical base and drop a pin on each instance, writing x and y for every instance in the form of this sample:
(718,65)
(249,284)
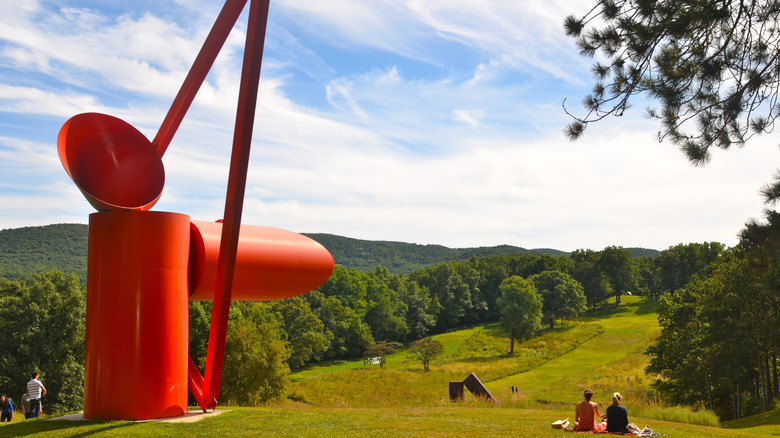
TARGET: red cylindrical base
(137,317)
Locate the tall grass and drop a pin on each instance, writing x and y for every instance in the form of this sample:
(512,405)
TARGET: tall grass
(678,414)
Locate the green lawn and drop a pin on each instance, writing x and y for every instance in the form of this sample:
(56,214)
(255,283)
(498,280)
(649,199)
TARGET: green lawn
(465,420)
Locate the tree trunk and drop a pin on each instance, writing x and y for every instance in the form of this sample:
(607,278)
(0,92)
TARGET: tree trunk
(512,342)
(768,392)
(757,386)
(760,397)
(738,405)
(709,388)
(774,370)
(762,380)
(771,385)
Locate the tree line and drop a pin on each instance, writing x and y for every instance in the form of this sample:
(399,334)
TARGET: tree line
(720,339)
(353,313)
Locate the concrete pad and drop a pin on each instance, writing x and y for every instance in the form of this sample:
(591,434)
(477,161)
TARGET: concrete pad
(191,416)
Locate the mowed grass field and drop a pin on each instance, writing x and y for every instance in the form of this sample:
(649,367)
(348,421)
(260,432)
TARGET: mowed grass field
(319,422)
(603,351)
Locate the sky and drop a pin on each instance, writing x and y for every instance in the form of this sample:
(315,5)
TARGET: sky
(421,121)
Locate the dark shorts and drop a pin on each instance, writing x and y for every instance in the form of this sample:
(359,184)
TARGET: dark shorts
(5,417)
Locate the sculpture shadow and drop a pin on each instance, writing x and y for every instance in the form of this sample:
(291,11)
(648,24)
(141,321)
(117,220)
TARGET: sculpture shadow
(26,428)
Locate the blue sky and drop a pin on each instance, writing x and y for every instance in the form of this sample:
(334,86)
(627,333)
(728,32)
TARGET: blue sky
(425,121)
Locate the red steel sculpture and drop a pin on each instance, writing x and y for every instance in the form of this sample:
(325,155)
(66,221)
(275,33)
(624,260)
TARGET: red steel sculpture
(144,266)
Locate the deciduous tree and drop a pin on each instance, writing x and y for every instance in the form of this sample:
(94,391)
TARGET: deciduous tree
(421,309)
(386,311)
(594,282)
(43,330)
(521,309)
(304,331)
(255,369)
(350,334)
(562,296)
(425,350)
(616,263)
(677,264)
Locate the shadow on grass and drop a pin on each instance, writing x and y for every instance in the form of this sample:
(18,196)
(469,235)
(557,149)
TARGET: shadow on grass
(640,306)
(495,330)
(324,364)
(647,305)
(558,328)
(474,360)
(762,419)
(35,427)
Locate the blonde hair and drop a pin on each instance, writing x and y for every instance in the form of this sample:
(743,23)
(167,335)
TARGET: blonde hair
(616,398)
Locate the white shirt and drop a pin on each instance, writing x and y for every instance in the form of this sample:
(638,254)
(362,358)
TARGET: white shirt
(34,388)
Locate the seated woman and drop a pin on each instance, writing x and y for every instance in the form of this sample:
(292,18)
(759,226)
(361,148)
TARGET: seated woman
(617,417)
(585,415)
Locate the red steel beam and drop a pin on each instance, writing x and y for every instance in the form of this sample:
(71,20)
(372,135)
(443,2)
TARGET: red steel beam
(234,201)
(197,74)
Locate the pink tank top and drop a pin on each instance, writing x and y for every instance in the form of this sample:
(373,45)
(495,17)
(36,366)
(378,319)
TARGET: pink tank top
(586,414)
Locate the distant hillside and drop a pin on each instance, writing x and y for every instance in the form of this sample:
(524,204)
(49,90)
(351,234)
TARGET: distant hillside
(402,258)
(63,247)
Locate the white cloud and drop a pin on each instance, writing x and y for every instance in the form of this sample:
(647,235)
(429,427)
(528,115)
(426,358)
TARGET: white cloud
(466,116)
(379,24)
(524,36)
(35,101)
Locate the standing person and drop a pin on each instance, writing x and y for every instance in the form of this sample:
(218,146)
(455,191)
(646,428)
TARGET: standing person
(585,413)
(6,408)
(36,390)
(26,405)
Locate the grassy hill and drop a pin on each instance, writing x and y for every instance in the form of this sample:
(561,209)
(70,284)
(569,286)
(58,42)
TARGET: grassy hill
(603,351)
(63,247)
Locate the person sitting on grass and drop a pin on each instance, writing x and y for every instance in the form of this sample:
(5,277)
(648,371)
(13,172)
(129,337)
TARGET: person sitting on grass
(617,417)
(585,413)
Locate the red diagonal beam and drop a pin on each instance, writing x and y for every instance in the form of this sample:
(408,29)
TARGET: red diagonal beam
(195,383)
(234,201)
(197,74)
